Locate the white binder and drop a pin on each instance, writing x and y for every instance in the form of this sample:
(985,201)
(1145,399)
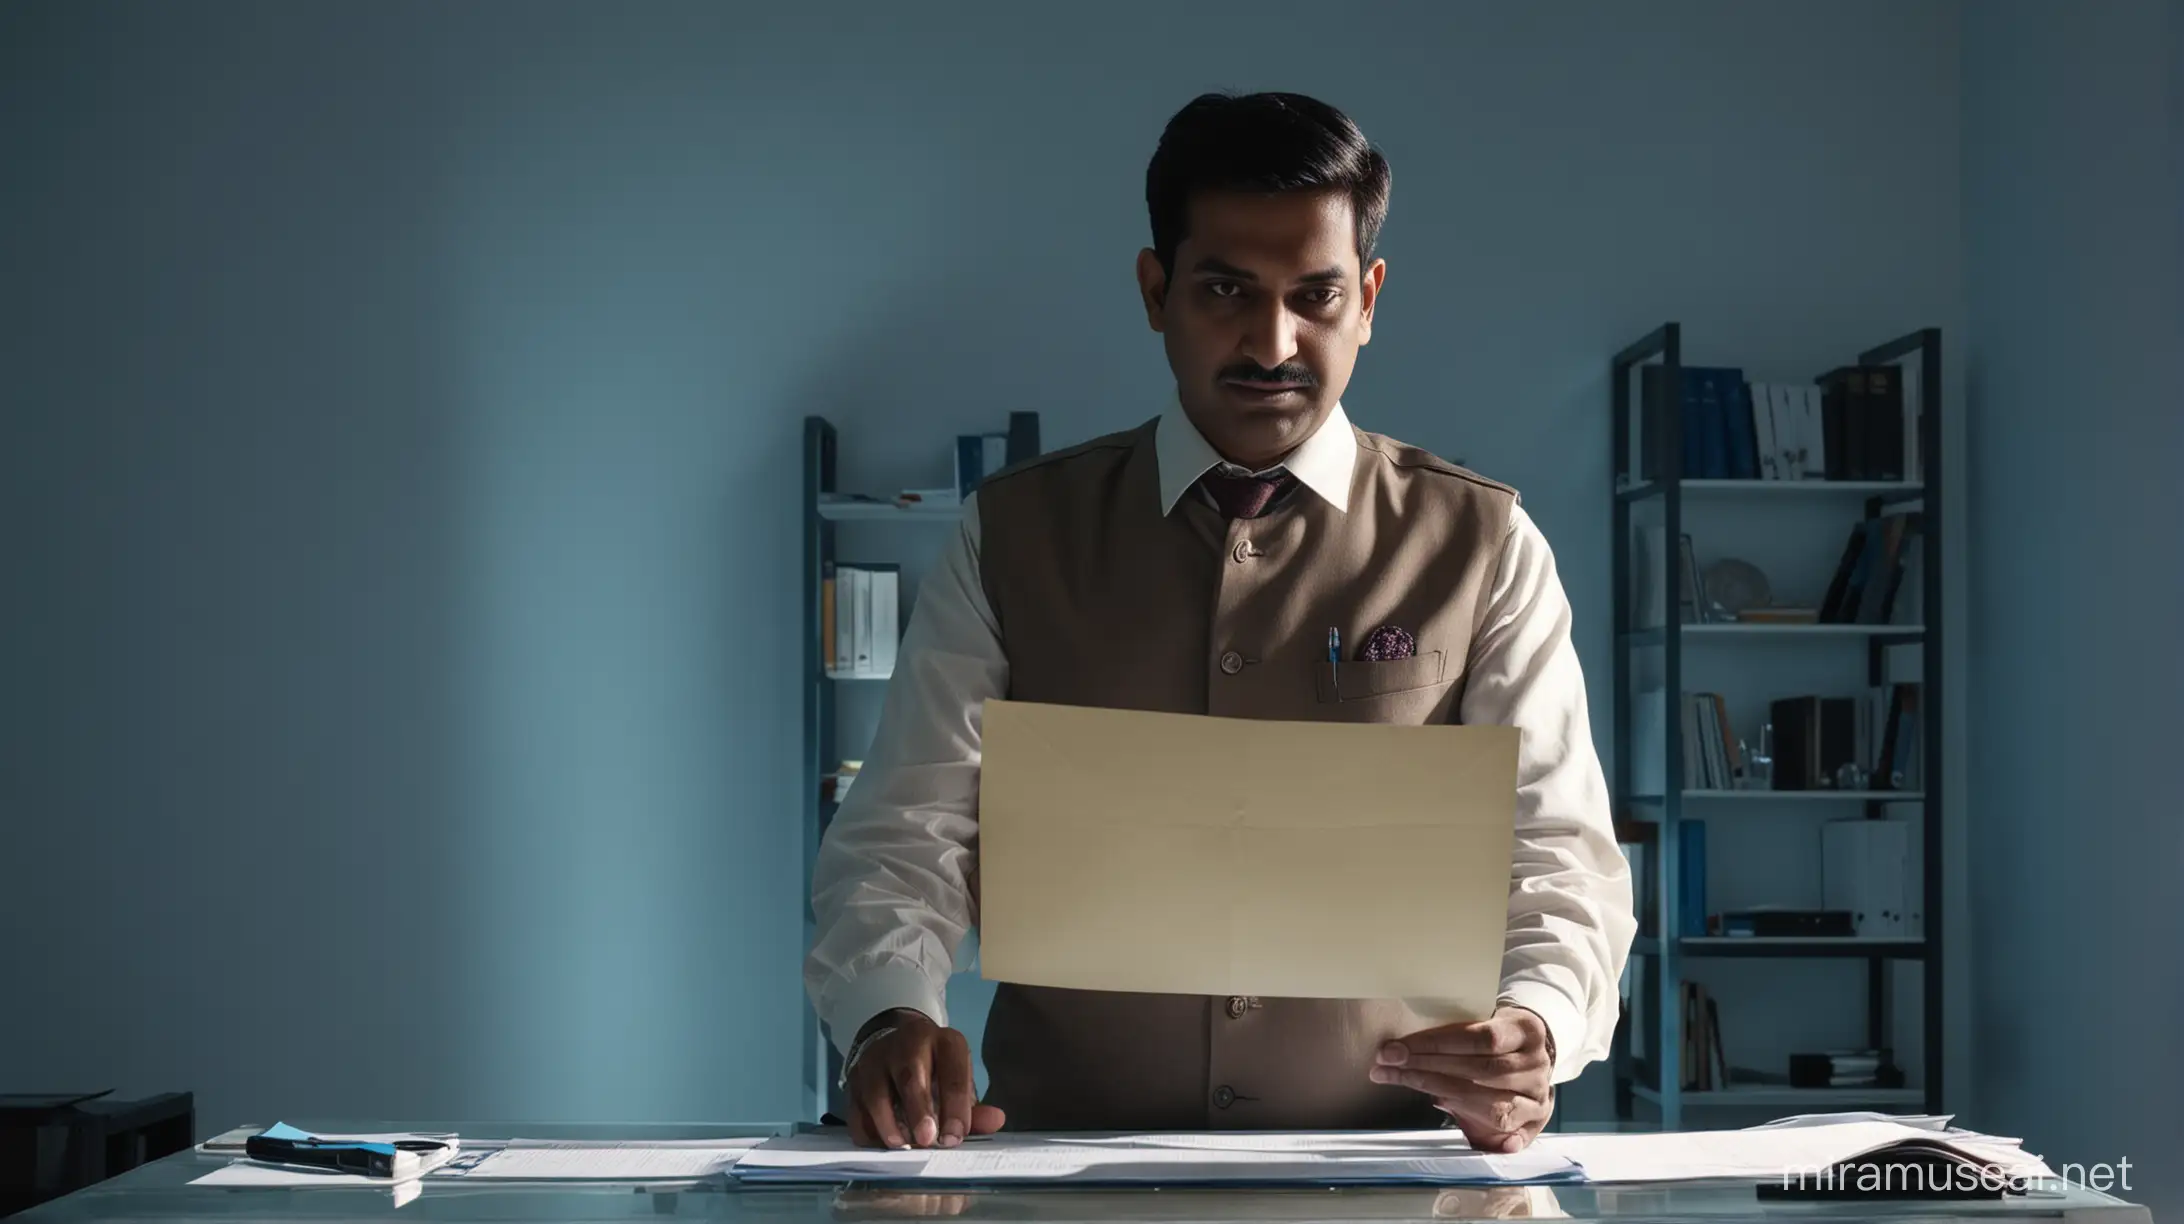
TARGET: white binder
(1865,868)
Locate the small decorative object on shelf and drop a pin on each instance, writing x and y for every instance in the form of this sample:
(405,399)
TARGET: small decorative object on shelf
(1759,766)
(1734,587)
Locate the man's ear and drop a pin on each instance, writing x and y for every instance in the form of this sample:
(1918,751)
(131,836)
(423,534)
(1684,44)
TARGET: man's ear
(1368,293)
(1152,282)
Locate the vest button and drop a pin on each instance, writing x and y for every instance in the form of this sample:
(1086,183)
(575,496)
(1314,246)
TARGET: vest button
(1224,1096)
(1237,1005)
(1231,662)
(1242,551)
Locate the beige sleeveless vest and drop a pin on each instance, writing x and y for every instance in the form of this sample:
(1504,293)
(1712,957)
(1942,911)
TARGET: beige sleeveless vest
(1102,601)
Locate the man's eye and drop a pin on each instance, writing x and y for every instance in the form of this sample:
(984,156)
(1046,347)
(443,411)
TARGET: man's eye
(1223,289)
(1323,297)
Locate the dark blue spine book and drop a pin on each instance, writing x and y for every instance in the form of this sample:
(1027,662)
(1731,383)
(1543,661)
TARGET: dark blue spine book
(1695,448)
(1743,434)
(970,463)
(1691,877)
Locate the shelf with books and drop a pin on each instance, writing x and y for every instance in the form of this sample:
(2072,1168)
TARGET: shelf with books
(1816,795)
(1705,1074)
(872,510)
(1786,946)
(1797,1100)
(1762,632)
(1889,490)
(1740,629)
(1765,472)
(850,636)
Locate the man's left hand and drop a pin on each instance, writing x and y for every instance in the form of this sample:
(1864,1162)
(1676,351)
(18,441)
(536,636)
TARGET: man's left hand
(1494,1077)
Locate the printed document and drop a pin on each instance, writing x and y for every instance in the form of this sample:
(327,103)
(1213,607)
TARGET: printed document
(633,1161)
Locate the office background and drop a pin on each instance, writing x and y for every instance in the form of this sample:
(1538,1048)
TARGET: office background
(402,413)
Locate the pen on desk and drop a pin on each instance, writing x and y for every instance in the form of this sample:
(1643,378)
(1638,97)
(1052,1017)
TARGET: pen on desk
(1334,657)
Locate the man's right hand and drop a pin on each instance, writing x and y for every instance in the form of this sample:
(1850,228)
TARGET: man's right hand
(913,1087)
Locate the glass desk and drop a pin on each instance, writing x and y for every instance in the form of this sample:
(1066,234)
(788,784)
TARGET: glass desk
(160,1193)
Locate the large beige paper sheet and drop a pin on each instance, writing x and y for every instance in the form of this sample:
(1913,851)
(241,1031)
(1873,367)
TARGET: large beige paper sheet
(1130,851)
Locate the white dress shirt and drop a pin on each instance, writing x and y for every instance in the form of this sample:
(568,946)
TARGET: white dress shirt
(890,891)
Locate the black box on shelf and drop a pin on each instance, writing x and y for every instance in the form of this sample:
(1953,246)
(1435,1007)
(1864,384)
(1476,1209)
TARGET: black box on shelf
(1783,924)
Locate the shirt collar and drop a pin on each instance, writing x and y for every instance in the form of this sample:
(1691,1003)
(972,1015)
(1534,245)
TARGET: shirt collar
(1322,464)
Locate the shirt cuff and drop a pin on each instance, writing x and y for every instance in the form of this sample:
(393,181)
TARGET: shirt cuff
(883,987)
(1565,1024)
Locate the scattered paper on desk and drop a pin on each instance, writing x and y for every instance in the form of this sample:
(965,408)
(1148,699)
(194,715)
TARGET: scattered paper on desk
(1135,851)
(1930,1122)
(1807,1148)
(1437,1157)
(1768,1152)
(544,1160)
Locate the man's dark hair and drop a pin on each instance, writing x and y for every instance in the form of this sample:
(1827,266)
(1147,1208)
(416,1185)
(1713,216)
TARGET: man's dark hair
(1262,142)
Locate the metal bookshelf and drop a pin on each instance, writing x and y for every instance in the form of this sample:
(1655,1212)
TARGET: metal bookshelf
(1655,1074)
(825,510)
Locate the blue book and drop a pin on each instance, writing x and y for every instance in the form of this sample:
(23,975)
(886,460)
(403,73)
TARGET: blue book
(1694,427)
(1691,877)
(1712,397)
(1736,394)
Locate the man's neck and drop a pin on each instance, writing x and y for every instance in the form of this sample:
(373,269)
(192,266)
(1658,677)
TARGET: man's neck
(1254,467)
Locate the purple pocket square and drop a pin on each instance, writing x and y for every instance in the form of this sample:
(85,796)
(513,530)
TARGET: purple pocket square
(1385,643)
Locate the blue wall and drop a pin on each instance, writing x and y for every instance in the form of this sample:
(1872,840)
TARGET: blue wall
(402,410)
(2075,287)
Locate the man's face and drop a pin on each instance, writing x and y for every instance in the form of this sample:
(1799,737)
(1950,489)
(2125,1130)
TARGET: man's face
(1263,316)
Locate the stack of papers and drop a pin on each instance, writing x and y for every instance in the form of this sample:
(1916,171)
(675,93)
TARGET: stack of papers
(651,1160)
(1804,1147)
(1789,1148)
(1437,1157)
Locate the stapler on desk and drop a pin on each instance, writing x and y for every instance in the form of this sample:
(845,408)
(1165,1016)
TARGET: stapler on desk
(1911,1170)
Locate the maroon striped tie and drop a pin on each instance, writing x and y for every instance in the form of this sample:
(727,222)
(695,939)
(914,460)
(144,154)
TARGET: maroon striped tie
(1243,497)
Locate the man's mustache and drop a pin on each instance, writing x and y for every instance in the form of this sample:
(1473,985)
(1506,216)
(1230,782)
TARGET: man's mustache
(1287,372)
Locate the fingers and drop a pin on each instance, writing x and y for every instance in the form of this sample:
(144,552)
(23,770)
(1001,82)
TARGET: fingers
(914,1089)
(872,1111)
(1518,1072)
(911,1072)
(859,1204)
(1435,1084)
(953,1084)
(1494,1078)
(865,1132)
(1494,1120)
(1506,1033)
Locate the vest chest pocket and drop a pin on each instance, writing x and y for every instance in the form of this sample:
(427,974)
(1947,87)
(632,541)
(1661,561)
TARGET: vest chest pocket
(1363,681)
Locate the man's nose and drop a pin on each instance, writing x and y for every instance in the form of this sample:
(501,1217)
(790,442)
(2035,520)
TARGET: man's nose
(1271,336)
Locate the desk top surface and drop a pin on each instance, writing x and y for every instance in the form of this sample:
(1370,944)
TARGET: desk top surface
(160,1191)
